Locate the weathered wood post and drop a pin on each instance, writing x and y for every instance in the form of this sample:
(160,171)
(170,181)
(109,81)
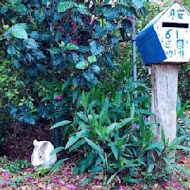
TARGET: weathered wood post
(164,44)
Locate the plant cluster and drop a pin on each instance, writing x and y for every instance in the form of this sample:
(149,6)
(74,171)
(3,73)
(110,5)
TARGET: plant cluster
(60,47)
(15,166)
(112,135)
(67,65)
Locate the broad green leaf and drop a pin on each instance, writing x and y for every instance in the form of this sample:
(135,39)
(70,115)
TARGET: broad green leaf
(56,150)
(183,148)
(19,32)
(83,9)
(96,48)
(143,111)
(11,50)
(99,32)
(75,95)
(139,3)
(46,98)
(154,146)
(118,98)
(163,136)
(73,139)
(54,50)
(182,109)
(71,46)
(85,98)
(111,26)
(60,124)
(121,142)
(62,44)
(90,77)
(92,59)
(167,160)
(94,146)
(114,150)
(66,84)
(65,5)
(77,145)
(143,131)
(12,1)
(132,111)
(131,180)
(20,8)
(150,168)
(84,49)
(111,178)
(109,13)
(4,9)
(57,164)
(108,59)
(97,169)
(82,116)
(82,65)
(123,123)
(30,44)
(129,163)
(175,143)
(178,104)
(111,127)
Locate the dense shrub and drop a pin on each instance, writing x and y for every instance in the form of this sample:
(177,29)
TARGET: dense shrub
(112,135)
(60,47)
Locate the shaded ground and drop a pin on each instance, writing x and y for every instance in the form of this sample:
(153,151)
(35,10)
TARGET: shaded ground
(19,140)
(19,146)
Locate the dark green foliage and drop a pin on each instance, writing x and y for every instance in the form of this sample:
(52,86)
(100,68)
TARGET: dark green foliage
(113,135)
(184,81)
(108,129)
(60,47)
(15,166)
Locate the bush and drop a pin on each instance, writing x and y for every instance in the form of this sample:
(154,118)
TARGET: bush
(60,47)
(112,135)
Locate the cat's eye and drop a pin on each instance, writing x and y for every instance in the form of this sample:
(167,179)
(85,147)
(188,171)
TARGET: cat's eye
(40,157)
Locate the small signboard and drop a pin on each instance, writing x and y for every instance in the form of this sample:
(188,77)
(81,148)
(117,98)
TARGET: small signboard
(167,37)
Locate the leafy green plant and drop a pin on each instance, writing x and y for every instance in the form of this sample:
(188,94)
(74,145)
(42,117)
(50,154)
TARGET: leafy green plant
(60,47)
(112,135)
(15,166)
(41,172)
(112,132)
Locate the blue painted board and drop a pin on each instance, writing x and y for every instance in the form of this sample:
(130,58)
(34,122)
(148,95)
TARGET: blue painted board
(149,46)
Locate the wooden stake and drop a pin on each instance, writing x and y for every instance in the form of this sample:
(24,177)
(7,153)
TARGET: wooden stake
(164,98)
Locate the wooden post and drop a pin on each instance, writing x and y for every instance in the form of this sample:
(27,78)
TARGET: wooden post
(164,44)
(164,98)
